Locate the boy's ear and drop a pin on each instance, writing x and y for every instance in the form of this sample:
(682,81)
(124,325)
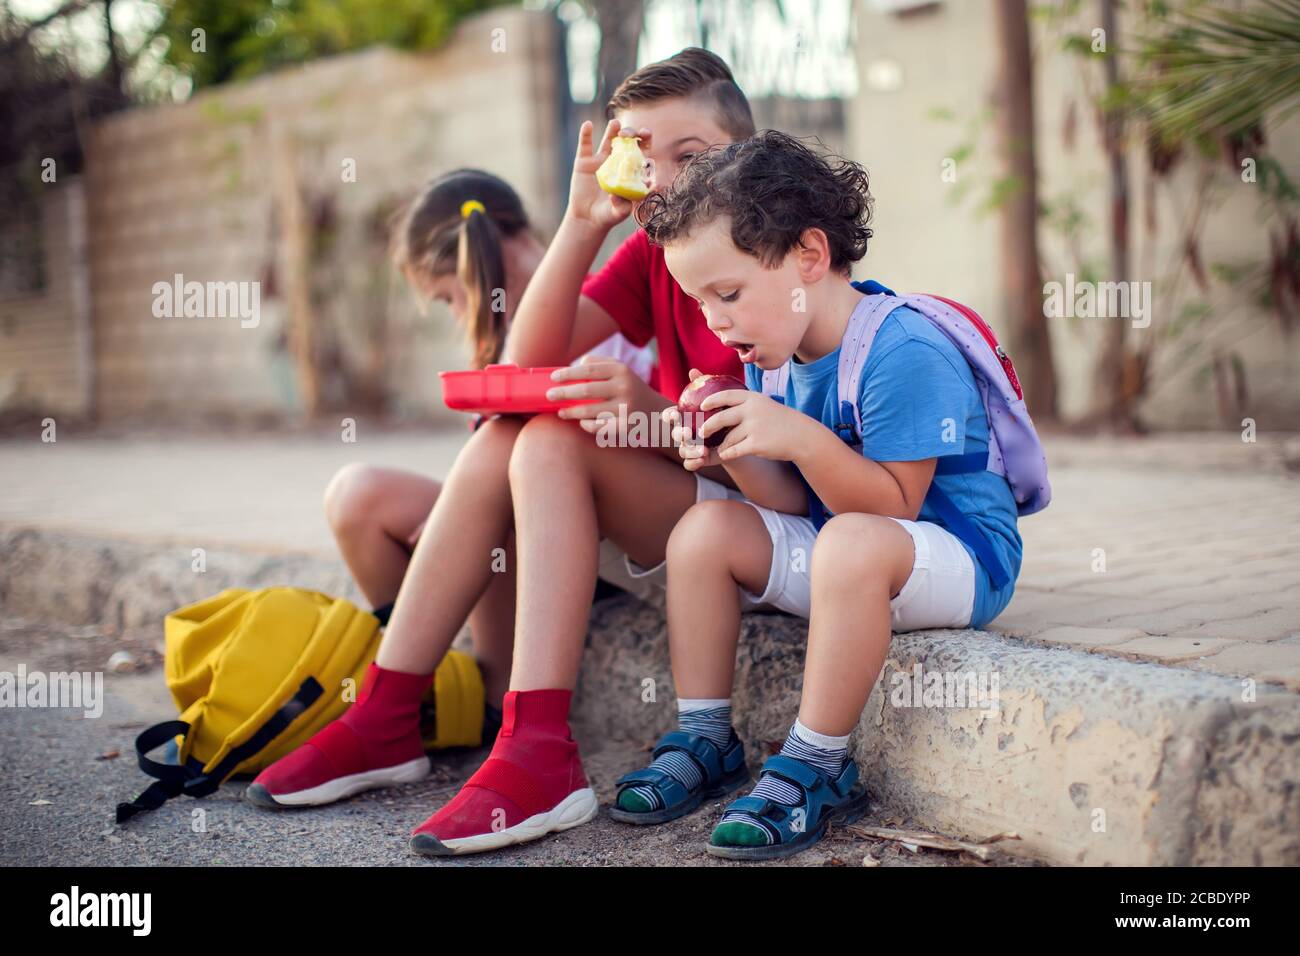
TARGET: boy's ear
(814,255)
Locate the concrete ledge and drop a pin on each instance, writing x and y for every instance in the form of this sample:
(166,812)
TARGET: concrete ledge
(1091,759)
(83,579)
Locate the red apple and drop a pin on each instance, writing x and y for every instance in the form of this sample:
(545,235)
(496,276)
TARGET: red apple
(693,396)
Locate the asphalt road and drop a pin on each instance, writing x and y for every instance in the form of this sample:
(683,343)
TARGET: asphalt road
(63,773)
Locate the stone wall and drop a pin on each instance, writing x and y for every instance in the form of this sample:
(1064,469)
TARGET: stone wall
(197,190)
(45,363)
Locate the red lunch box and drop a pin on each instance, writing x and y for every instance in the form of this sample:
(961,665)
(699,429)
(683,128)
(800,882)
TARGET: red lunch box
(504,390)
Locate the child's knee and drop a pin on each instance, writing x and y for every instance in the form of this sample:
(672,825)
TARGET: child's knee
(544,443)
(503,431)
(489,451)
(351,495)
(703,532)
(858,550)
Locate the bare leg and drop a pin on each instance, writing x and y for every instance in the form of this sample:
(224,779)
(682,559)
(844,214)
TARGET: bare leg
(717,548)
(453,563)
(859,562)
(568,492)
(492,625)
(372,511)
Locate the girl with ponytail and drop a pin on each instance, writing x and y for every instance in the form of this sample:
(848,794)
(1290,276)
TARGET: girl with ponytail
(464,241)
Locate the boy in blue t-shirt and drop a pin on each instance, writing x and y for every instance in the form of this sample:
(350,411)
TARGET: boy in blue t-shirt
(763,234)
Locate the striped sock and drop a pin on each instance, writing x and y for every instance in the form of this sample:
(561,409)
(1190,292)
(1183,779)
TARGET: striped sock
(827,754)
(707,718)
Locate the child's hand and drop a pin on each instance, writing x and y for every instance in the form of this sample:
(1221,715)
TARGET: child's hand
(759,426)
(611,384)
(694,454)
(588,203)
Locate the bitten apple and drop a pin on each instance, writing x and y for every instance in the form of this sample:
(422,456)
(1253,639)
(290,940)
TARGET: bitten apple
(623,172)
(693,396)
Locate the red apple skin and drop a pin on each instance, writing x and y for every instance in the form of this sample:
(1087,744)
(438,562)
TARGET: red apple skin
(693,396)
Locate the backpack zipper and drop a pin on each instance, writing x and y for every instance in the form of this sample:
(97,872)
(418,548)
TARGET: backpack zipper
(991,339)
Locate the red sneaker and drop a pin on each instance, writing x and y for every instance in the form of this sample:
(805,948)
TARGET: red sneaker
(376,743)
(531,784)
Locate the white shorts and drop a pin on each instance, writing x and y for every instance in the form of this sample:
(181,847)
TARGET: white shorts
(651,584)
(940,592)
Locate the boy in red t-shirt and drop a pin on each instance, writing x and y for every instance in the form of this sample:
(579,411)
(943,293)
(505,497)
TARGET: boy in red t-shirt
(571,489)
(631,495)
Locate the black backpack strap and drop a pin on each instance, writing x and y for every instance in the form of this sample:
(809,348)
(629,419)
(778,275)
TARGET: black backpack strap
(309,691)
(384,612)
(174,780)
(171,777)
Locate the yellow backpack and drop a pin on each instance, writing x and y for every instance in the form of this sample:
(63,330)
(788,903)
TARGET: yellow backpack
(254,674)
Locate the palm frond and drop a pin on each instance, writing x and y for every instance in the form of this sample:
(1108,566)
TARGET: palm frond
(1221,70)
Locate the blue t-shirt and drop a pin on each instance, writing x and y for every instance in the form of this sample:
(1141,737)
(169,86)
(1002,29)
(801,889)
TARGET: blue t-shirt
(918,399)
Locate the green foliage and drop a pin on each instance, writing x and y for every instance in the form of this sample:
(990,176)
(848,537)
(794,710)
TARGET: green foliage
(243,38)
(1224,70)
(1080,43)
(1066,216)
(1002,189)
(996,190)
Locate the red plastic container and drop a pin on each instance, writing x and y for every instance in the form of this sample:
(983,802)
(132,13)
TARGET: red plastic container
(504,390)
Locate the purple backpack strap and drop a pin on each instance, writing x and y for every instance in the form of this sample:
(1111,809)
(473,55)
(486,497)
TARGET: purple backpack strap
(1015,451)
(774,382)
(861,331)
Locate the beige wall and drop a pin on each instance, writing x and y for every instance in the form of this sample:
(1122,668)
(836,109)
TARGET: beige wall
(191,189)
(925,242)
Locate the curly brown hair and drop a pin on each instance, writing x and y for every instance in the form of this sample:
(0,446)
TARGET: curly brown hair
(773,186)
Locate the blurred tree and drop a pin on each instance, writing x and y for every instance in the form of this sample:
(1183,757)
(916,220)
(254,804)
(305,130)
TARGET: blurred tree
(1022,281)
(47,101)
(1203,82)
(243,38)
(1111,404)
(620,24)
(1213,78)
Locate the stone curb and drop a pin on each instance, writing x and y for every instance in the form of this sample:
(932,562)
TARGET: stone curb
(1090,759)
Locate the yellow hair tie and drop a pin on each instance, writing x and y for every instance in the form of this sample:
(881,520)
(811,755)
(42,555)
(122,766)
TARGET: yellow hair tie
(469,206)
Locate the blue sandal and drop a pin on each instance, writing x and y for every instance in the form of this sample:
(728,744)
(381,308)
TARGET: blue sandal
(826,800)
(724,770)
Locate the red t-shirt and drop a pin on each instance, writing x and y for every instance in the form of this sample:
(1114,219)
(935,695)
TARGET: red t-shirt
(637,290)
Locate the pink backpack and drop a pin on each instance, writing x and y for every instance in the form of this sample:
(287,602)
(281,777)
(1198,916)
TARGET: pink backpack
(1014,451)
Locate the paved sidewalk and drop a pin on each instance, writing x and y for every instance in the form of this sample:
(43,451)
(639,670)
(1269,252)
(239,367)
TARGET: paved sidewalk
(1182,552)
(1179,549)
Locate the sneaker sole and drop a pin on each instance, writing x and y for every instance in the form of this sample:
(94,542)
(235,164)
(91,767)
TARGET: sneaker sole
(340,788)
(574,810)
